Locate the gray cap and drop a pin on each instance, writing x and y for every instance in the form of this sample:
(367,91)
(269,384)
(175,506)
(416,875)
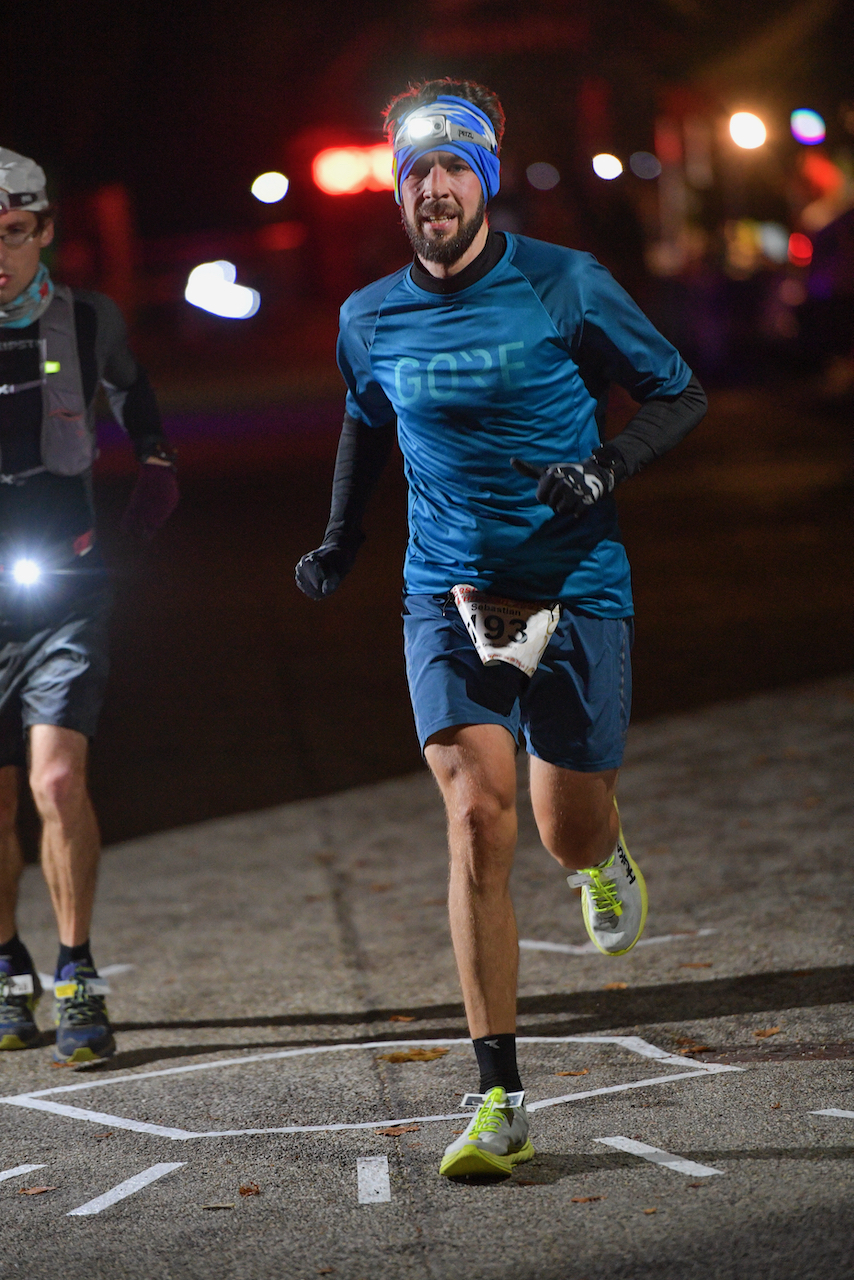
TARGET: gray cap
(22,183)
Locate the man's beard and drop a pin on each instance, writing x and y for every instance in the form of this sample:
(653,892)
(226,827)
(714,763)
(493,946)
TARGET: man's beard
(451,249)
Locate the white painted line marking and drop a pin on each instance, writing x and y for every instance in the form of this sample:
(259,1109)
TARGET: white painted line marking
(633,1044)
(125,1189)
(108,971)
(372,1175)
(98,1117)
(19,1170)
(656,1156)
(588,948)
(834,1111)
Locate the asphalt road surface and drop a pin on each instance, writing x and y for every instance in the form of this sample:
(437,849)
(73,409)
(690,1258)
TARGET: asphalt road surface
(692,1103)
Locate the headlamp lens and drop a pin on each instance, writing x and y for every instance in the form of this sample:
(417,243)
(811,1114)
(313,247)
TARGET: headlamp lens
(26,572)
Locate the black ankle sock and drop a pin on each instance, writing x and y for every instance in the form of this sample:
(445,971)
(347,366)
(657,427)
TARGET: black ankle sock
(496,1058)
(14,950)
(69,955)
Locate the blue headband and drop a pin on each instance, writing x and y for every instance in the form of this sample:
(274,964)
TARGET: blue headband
(448,124)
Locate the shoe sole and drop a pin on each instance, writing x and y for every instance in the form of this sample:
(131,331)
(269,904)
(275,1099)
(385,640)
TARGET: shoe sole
(472,1159)
(15,1042)
(85,1054)
(644,907)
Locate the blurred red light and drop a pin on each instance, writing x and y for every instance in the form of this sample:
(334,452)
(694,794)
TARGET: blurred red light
(341,171)
(800,249)
(277,236)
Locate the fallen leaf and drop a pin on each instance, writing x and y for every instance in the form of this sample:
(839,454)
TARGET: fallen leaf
(768,1031)
(696,964)
(695,1048)
(457,1132)
(775,1106)
(380,888)
(412,1055)
(694,1185)
(585,1072)
(650,1211)
(685,1040)
(587,1199)
(249,1189)
(395,1130)
(526,1182)
(402,1017)
(34,1191)
(615,986)
(216,1206)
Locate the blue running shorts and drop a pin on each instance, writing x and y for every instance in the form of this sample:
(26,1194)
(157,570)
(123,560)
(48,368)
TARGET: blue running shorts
(573,712)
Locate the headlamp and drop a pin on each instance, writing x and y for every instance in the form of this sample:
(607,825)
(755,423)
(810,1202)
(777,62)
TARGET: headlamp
(435,127)
(26,572)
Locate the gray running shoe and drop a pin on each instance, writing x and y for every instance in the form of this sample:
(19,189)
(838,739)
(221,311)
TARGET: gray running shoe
(494,1141)
(613,901)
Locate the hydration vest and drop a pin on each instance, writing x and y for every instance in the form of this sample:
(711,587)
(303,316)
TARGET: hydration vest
(67,442)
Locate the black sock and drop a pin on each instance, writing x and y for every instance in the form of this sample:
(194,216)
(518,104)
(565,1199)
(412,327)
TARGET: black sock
(14,950)
(496,1057)
(71,955)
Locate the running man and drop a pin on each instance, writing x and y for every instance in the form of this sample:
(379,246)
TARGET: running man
(56,346)
(494,353)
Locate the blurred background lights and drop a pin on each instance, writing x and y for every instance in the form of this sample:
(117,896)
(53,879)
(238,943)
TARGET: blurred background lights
(747,130)
(607,166)
(644,164)
(542,176)
(807,127)
(270,187)
(800,249)
(211,286)
(774,241)
(341,171)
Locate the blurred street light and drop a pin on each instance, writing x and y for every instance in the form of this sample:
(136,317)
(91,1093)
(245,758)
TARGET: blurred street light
(211,286)
(271,187)
(800,249)
(807,127)
(747,130)
(607,166)
(341,171)
(644,164)
(542,176)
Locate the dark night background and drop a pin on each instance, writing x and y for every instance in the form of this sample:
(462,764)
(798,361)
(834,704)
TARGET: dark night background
(230,691)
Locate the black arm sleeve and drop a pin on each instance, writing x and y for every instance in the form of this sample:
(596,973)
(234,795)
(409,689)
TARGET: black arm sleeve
(126,383)
(659,424)
(363,452)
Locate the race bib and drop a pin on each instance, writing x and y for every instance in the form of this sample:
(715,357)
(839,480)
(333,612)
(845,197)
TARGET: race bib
(514,631)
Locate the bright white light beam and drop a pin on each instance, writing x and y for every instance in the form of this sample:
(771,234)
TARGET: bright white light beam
(270,187)
(747,130)
(607,166)
(211,286)
(26,572)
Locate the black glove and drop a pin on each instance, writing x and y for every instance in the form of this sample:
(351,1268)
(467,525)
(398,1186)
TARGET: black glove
(569,488)
(321,572)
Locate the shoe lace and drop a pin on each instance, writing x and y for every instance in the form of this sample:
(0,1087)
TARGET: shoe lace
(604,894)
(488,1119)
(82,1008)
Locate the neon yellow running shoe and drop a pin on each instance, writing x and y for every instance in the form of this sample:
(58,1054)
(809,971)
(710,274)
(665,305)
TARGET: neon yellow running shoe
(613,901)
(495,1140)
